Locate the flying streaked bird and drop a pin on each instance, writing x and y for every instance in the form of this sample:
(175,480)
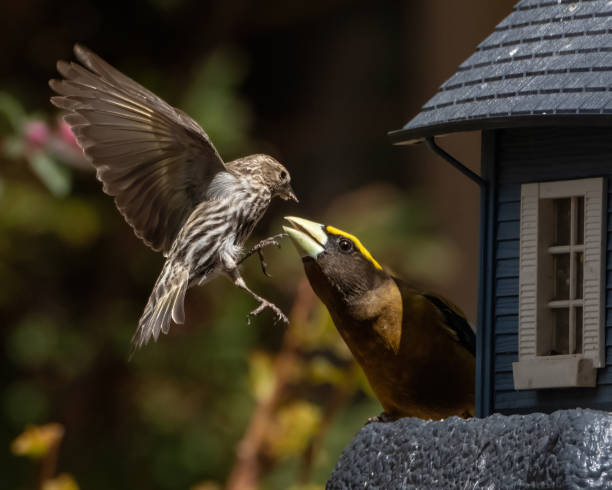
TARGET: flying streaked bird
(169,183)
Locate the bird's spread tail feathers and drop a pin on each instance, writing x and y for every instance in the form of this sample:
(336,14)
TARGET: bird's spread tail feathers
(166,303)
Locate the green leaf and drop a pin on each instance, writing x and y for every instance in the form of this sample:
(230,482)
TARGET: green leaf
(64,481)
(33,342)
(13,147)
(12,110)
(56,177)
(24,402)
(37,440)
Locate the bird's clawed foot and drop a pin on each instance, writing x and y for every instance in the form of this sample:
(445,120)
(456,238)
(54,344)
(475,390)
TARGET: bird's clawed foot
(258,249)
(263,304)
(384,417)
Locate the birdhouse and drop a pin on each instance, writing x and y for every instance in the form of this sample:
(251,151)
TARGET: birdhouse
(539,89)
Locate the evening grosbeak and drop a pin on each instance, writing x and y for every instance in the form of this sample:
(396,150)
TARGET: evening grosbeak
(169,183)
(416,348)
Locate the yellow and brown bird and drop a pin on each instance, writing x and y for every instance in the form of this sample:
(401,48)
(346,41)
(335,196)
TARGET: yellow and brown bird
(416,348)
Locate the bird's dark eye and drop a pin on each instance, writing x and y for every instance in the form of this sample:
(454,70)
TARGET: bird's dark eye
(345,246)
(283,175)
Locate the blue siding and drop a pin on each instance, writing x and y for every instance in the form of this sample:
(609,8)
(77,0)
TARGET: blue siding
(532,156)
(506,324)
(506,290)
(507,286)
(506,268)
(508,211)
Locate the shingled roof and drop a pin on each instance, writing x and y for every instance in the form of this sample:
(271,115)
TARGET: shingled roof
(548,63)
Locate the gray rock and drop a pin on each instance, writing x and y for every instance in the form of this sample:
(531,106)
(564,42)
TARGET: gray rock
(564,450)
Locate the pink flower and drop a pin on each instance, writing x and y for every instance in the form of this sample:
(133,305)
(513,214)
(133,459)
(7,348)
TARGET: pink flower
(66,134)
(36,133)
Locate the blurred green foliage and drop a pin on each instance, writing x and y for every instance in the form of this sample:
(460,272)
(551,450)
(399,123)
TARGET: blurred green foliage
(75,279)
(222,73)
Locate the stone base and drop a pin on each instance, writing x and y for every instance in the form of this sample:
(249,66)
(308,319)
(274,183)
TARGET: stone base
(563,450)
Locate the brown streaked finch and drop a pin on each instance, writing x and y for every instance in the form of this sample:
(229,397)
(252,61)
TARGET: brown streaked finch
(169,183)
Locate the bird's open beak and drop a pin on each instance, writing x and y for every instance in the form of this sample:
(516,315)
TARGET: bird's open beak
(308,237)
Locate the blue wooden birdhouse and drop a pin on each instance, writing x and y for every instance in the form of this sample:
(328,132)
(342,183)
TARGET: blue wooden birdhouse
(539,88)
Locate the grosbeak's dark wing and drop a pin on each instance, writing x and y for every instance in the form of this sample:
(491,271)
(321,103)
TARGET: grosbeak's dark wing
(153,158)
(455,323)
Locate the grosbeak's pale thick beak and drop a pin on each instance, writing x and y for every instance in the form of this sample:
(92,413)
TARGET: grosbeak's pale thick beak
(309,237)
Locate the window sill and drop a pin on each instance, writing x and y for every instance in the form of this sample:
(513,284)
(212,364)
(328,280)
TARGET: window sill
(554,372)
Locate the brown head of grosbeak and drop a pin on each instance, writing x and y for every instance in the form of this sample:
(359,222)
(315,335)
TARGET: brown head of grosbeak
(169,183)
(416,348)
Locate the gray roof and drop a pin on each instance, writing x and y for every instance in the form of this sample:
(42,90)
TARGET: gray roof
(547,63)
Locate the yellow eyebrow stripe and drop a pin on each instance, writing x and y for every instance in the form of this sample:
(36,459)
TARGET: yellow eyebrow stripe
(362,249)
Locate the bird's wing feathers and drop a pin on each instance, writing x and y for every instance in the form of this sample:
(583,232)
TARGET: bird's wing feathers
(153,158)
(455,324)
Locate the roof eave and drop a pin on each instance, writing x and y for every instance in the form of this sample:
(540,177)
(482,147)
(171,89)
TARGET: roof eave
(410,136)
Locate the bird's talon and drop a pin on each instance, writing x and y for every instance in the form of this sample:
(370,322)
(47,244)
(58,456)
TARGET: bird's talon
(281,316)
(383,418)
(278,314)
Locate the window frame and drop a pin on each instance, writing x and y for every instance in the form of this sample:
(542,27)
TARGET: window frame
(565,370)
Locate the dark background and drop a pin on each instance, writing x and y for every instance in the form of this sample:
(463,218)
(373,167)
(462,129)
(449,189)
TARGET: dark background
(316,84)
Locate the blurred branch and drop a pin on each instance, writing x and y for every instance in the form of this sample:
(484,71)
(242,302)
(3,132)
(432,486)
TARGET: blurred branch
(340,397)
(49,463)
(246,472)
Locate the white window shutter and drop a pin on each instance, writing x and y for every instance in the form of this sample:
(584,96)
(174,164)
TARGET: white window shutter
(534,371)
(528,271)
(593,334)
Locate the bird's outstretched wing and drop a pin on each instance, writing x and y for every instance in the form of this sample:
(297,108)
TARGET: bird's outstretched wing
(153,158)
(455,323)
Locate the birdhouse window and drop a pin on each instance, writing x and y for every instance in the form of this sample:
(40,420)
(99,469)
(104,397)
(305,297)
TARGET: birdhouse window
(562,245)
(560,284)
